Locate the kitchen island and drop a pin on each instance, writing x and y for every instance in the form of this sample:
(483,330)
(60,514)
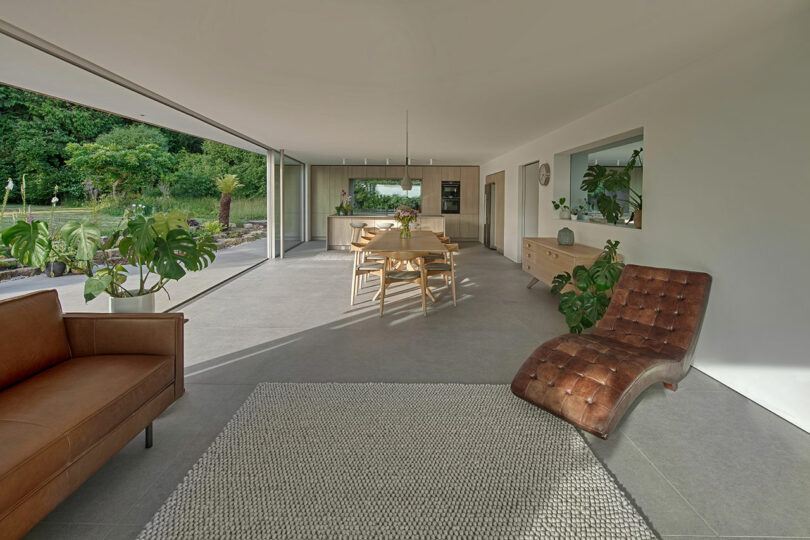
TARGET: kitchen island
(339,231)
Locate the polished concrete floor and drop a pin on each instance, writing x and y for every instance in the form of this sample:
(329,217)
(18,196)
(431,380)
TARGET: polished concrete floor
(700,462)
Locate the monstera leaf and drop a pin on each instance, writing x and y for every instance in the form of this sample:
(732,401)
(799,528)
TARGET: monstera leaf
(594,305)
(30,243)
(142,237)
(605,273)
(96,285)
(206,251)
(174,253)
(140,240)
(592,180)
(82,236)
(163,223)
(571,307)
(559,282)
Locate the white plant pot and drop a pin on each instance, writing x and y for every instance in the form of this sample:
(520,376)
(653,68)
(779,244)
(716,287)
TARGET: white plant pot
(565,213)
(133,304)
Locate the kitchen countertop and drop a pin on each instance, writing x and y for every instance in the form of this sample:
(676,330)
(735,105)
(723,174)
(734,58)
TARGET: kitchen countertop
(379,216)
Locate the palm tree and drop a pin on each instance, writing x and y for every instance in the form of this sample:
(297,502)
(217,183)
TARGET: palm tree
(226,184)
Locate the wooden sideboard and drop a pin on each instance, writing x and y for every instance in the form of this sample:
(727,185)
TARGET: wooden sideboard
(544,258)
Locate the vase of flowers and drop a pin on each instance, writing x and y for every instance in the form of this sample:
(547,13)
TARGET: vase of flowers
(404,215)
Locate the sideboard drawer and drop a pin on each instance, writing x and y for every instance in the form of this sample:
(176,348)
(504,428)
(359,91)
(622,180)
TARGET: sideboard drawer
(555,258)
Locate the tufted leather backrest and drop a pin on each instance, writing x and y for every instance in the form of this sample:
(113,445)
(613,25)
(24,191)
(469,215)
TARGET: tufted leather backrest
(32,336)
(657,308)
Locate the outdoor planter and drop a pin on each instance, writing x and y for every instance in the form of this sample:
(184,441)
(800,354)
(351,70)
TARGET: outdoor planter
(55,269)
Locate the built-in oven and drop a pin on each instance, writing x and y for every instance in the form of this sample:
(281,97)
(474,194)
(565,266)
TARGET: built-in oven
(451,197)
(451,206)
(451,189)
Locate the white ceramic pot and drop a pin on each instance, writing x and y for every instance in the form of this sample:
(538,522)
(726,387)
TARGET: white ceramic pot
(565,213)
(133,304)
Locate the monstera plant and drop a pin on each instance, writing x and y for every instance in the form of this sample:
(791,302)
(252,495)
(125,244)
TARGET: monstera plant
(587,303)
(161,249)
(607,184)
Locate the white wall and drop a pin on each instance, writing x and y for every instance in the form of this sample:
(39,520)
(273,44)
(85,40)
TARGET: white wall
(726,191)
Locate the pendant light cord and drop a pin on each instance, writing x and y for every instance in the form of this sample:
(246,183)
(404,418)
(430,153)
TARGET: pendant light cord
(406,141)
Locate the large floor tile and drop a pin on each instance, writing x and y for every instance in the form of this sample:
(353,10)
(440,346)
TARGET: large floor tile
(666,509)
(746,469)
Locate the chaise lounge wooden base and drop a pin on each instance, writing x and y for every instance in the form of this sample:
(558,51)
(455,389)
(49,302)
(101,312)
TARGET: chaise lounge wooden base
(647,336)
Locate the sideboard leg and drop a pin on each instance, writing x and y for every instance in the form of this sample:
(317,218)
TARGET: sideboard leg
(532,283)
(149,435)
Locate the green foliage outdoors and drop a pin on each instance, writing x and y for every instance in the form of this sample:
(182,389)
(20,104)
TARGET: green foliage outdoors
(366,197)
(34,131)
(40,135)
(587,303)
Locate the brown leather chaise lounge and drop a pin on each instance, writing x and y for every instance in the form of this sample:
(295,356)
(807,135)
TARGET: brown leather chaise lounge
(74,390)
(647,336)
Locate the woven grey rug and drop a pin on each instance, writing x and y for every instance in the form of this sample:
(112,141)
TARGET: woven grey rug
(396,461)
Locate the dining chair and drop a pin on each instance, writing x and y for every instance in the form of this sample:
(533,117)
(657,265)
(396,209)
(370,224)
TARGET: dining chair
(362,268)
(446,269)
(391,276)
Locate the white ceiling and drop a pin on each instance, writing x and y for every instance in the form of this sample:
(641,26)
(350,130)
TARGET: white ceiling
(327,80)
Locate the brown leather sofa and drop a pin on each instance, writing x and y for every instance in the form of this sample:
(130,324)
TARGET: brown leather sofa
(647,335)
(75,388)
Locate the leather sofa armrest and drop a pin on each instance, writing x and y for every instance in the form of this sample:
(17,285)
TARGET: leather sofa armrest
(128,333)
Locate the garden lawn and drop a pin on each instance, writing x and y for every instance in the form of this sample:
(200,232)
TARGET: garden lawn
(108,217)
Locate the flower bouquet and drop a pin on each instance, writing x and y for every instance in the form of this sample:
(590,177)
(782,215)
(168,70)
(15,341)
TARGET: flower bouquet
(404,215)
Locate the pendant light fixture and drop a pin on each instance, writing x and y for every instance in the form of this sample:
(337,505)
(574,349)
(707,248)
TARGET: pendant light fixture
(406,183)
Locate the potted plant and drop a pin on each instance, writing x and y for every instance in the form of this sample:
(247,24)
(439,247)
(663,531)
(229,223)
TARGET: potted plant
(404,215)
(226,184)
(606,184)
(584,306)
(345,207)
(565,210)
(160,247)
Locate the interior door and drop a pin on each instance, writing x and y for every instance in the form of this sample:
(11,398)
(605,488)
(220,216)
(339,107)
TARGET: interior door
(488,216)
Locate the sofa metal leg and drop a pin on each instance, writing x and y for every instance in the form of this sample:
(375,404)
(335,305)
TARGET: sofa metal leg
(671,386)
(149,435)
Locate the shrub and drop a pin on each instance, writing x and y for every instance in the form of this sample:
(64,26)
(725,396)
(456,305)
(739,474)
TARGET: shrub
(212,227)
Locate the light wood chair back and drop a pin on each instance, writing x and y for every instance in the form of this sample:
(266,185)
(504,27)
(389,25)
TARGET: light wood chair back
(448,273)
(415,258)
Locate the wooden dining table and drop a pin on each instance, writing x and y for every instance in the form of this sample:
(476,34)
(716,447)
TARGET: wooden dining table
(385,242)
(390,241)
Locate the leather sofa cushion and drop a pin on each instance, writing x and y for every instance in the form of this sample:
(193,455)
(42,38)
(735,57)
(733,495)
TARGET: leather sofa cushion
(34,336)
(51,419)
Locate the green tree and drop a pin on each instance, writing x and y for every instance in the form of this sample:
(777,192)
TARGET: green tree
(133,136)
(34,131)
(126,159)
(195,173)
